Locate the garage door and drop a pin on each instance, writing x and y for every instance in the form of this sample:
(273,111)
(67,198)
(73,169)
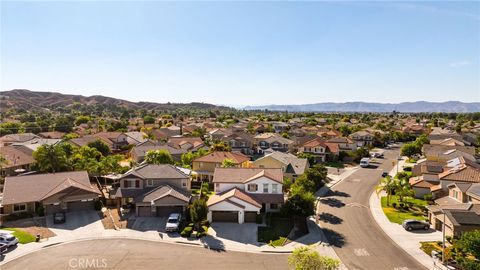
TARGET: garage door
(250,216)
(165,211)
(144,211)
(80,206)
(225,216)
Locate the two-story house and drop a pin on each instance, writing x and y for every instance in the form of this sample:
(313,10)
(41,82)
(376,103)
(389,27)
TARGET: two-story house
(318,148)
(292,166)
(362,138)
(205,166)
(155,190)
(242,193)
(240,141)
(269,142)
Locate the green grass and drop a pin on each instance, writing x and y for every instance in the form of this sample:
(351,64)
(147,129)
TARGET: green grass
(334,164)
(277,231)
(196,191)
(397,215)
(23,237)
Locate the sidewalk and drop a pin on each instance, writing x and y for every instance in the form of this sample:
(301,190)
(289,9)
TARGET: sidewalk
(408,241)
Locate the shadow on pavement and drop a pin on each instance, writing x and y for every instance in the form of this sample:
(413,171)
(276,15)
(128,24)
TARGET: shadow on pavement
(337,193)
(329,218)
(334,238)
(332,202)
(213,243)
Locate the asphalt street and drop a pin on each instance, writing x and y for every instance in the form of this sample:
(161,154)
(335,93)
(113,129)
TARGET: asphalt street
(140,254)
(348,224)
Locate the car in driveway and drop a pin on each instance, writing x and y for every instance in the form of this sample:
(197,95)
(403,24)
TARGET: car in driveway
(59,218)
(8,239)
(413,224)
(173,222)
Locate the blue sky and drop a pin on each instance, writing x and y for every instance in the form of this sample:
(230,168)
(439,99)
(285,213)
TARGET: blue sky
(244,52)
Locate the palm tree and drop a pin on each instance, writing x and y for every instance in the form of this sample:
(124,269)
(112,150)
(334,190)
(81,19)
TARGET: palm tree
(403,190)
(389,185)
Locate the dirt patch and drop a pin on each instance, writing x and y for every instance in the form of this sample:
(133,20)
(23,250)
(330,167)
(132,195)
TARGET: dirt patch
(33,226)
(107,220)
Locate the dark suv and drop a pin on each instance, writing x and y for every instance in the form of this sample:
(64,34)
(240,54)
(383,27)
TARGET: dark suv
(412,224)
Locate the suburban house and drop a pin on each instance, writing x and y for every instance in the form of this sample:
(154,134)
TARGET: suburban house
(460,209)
(362,138)
(16,138)
(139,151)
(240,141)
(204,167)
(344,144)
(186,143)
(51,134)
(135,137)
(320,149)
(448,141)
(443,153)
(64,191)
(291,166)
(32,145)
(269,142)
(415,130)
(242,193)
(280,127)
(16,161)
(154,190)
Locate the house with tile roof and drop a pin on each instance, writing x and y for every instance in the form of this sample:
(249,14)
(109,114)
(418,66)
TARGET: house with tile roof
(16,161)
(292,166)
(154,189)
(320,149)
(204,166)
(242,193)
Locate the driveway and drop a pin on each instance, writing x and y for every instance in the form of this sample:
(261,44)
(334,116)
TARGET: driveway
(245,233)
(81,224)
(144,224)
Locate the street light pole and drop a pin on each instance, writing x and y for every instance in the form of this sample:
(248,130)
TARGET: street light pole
(443,239)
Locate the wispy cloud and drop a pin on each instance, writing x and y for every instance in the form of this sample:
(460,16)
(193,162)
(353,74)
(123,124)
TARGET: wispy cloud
(459,64)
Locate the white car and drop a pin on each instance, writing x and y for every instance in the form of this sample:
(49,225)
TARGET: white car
(173,222)
(364,162)
(8,239)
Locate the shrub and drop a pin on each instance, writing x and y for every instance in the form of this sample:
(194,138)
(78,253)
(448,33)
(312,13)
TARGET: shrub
(98,205)
(402,205)
(40,211)
(394,205)
(187,231)
(428,197)
(407,169)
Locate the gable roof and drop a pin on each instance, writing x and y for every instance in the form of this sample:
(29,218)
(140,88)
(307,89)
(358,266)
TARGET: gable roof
(15,157)
(163,191)
(460,169)
(178,142)
(36,187)
(474,191)
(293,164)
(18,137)
(219,157)
(233,193)
(156,171)
(245,175)
(142,149)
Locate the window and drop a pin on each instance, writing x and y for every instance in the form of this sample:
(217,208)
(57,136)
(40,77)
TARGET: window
(150,182)
(273,206)
(184,184)
(19,207)
(265,188)
(252,187)
(274,188)
(137,183)
(126,184)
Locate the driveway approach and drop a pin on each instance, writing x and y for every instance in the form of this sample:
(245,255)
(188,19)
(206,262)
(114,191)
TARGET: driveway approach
(139,254)
(348,224)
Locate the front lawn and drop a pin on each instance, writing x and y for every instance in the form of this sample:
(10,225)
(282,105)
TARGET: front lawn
(23,237)
(277,231)
(398,215)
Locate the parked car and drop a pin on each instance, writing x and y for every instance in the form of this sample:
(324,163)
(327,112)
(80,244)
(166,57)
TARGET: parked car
(364,162)
(3,248)
(384,174)
(173,222)
(8,239)
(412,224)
(59,217)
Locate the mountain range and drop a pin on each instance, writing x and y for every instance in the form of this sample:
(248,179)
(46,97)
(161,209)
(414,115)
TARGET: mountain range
(33,100)
(418,106)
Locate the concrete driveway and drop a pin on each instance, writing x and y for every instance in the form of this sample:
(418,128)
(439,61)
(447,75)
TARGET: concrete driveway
(145,224)
(81,224)
(245,233)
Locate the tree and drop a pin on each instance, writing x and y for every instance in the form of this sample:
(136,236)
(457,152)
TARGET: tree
(198,212)
(228,163)
(64,124)
(100,146)
(317,174)
(389,185)
(51,158)
(308,156)
(306,258)
(303,184)
(299,204)
(148,119)
(410,149)
(158,157)
(469,243)
(221,146)
(361,153)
